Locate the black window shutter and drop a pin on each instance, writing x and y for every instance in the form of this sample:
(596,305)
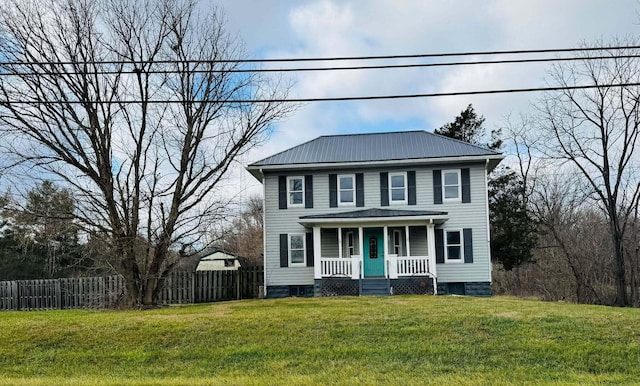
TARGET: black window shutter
(309,246)
(333,190)
(439,246)
(308,191)
(384,189)
(468,245)
(359,189)
(284,250)
(282,192)
(466,185)
(411,183)
(437,186)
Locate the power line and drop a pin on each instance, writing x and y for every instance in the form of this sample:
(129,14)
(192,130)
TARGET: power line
(330,99)
(379,57)
(307,69)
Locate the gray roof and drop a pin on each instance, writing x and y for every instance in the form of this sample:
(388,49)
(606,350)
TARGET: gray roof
(402,145)
(374,212)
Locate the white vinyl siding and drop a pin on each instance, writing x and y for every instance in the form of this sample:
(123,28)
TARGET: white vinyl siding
(418,241)
(460,215)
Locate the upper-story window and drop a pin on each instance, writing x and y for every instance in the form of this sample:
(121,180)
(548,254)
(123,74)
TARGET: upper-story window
(295,191)
(398,188)
(451,189)
(346,190)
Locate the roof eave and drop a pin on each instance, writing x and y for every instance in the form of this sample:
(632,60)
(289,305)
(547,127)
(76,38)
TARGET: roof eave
(369,220)
(492,161)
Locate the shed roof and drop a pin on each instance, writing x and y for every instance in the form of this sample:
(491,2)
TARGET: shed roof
(404,145)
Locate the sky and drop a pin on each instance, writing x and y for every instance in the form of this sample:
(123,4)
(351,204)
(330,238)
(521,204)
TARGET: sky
(329,28)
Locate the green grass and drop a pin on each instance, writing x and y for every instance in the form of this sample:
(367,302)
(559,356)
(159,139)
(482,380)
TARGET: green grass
(369,340)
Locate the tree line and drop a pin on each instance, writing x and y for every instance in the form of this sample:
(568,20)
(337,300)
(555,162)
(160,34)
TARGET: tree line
(140,154)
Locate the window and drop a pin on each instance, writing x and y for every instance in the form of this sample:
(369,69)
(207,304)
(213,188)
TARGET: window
(398,188)
(295,191)
(296,250)
(451,185)
(346,190)
(397,242)
(453,246)
(350,244)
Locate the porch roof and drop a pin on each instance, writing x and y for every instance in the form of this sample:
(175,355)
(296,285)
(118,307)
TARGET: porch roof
(374,215)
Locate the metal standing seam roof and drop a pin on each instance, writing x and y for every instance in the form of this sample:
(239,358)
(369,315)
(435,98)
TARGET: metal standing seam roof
(401,145)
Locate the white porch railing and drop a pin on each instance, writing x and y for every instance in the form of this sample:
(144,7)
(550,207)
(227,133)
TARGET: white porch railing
(410,266)
(398,266)
(335,266)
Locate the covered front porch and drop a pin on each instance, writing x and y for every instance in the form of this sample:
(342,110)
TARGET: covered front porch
(375,251)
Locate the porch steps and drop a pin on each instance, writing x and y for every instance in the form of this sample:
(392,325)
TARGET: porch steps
(375,286)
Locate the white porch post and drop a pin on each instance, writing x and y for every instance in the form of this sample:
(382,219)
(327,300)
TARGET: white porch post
(340,243)
(431,241)
(385,249)
(317,253)
(356,274)
(406,240)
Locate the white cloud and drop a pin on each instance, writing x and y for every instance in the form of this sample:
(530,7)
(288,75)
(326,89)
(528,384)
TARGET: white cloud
(326,28)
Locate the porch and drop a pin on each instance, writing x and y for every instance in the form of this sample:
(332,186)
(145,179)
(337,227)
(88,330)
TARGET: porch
(375,251)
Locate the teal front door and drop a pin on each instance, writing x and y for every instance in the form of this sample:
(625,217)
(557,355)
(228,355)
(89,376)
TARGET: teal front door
(373,252)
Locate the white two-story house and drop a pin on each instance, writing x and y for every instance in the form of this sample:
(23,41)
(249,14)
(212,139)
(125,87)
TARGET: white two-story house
(380,213)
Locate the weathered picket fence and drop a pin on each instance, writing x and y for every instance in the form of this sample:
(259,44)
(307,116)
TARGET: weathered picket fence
(105,292)
(212,286)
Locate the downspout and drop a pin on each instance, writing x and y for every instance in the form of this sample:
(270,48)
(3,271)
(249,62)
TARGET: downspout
(264,231)
(486,197)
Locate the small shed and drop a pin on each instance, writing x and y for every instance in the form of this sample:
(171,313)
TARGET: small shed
(218,260)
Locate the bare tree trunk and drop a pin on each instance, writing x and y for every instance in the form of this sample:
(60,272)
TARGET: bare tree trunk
(134,105)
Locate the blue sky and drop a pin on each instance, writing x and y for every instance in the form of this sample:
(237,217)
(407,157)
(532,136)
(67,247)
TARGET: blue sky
(325,28)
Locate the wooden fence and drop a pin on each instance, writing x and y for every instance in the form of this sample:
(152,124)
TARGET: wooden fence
(105,292)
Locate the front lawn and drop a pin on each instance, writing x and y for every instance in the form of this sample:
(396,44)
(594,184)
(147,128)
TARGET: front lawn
(349,340)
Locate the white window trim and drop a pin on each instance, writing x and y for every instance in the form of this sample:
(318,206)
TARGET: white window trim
(446,247)
(289,203)
(304,250)
(346,244)
(353,183)
(393,242)
(406,189)
(444,197)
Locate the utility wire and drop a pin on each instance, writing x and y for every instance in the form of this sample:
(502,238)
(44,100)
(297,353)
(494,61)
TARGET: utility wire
(328,99)
(305,69)
(380,57)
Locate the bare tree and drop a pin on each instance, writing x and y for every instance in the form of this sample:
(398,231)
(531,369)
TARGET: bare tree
(133,105)
(595,130)
(245,234)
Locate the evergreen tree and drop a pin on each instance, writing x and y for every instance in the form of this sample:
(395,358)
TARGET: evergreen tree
(513,231)
(512,228)
(40,238)
(470,128)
